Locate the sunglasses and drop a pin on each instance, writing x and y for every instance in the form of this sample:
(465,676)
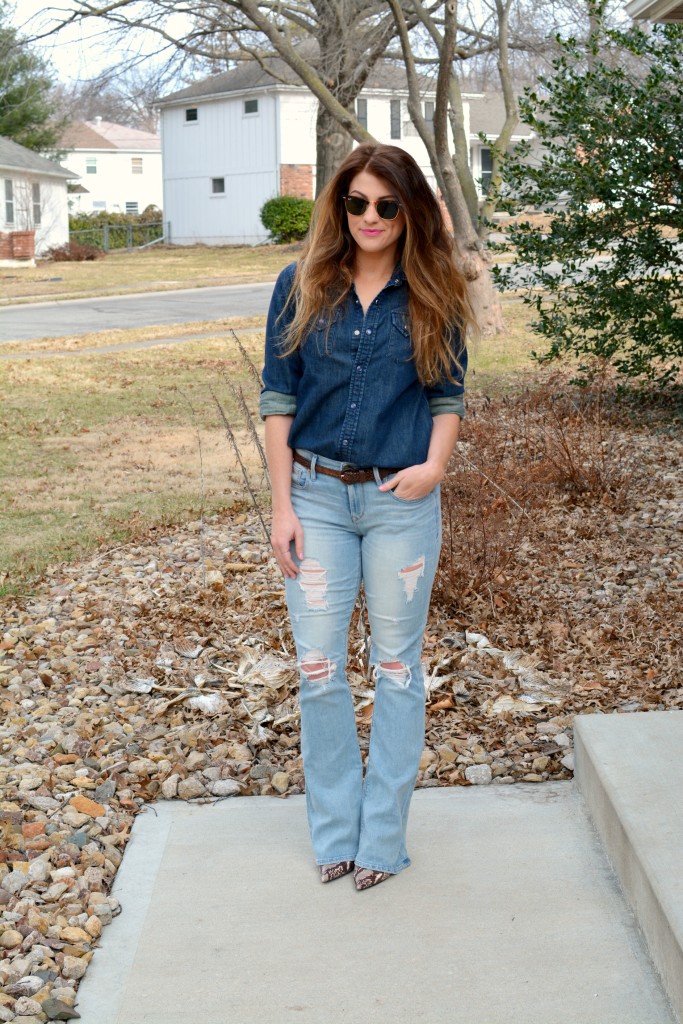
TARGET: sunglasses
(387,209)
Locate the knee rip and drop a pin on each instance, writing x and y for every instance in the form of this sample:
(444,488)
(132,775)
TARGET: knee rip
(317,667)
(409,576)
(395,671)
(313,583)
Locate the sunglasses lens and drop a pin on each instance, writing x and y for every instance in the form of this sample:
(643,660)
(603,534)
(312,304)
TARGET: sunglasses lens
(387,209)
(356,206)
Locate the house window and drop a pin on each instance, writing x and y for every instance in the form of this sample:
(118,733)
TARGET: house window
(486,169)
(9,201)
(91,165)
(191,114)
(99,204)
(136,164)
(35,196)
(251,106)
(131,207)
(218,186)
(362,112)
(395,119)
(429,114)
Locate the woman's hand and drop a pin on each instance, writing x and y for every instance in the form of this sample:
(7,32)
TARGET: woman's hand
(414,482)
(285,529)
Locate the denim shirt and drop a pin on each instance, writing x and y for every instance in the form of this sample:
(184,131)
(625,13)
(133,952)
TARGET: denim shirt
(354,392)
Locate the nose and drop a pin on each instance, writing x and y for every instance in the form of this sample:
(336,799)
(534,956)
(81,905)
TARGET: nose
(371,216)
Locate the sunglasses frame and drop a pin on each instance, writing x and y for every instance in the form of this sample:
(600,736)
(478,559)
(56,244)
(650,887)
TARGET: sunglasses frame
(372,202)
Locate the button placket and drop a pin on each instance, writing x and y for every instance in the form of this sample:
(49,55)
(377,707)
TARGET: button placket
(366,335)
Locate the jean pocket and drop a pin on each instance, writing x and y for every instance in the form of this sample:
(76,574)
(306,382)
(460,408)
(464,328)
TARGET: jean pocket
(406,501)
(301,476)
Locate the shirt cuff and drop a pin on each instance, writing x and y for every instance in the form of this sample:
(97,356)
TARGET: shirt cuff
(447,403)
(274,403)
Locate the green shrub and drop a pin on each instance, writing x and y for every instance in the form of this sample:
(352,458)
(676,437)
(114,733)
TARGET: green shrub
(287,217)
(83,221)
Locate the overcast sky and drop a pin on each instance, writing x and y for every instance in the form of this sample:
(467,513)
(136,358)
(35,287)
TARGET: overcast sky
(79,51)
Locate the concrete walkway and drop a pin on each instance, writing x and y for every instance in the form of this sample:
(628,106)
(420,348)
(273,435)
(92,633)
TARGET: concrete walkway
(509,914)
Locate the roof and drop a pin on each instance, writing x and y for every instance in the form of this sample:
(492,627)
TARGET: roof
(99,134)
(251,75)
(14,157)
(656,10)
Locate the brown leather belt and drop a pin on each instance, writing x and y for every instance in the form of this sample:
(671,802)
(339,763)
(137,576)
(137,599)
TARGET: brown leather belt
(347,476)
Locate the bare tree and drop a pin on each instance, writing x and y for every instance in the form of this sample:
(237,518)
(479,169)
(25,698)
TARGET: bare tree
(330,45)
(126,97)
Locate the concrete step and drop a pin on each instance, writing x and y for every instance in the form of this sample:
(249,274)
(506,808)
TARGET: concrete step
(629,768)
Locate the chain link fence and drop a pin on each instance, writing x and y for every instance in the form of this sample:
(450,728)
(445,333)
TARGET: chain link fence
(107,237)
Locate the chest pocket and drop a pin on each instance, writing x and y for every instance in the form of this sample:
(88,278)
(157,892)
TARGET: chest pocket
(323,331)
(400,343)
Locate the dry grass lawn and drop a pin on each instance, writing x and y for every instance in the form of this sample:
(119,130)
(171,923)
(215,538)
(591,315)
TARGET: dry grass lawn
(154,269)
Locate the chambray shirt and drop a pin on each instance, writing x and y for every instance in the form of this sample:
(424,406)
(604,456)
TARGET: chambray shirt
(354,393)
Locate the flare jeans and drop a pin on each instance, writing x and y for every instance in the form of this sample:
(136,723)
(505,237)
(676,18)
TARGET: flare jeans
(352,534)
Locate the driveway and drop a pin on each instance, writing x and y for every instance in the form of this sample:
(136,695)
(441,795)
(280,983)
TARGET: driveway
(83,316)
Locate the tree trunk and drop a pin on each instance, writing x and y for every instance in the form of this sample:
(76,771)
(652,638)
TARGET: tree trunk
(333,144)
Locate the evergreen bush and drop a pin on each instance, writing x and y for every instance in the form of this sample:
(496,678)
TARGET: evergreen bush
(287,218)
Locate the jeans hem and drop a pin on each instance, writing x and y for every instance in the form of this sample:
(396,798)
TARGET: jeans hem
(394,870)
(335,859)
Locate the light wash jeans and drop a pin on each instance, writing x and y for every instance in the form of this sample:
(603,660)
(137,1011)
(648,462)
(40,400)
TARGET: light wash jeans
(355,533)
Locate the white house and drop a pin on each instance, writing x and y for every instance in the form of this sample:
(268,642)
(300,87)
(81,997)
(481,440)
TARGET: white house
(234,140)
(119,167)
(34,214)
(656,10)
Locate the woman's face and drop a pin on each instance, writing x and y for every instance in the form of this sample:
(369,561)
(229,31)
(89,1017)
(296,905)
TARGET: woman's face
(369,231)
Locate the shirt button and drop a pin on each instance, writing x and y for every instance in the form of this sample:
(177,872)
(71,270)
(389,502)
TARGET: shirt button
(356,332)
(359,369)
(353,405)
(368,332)
(346,440)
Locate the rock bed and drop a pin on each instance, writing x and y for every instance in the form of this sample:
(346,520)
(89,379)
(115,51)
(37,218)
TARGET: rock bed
(164,669)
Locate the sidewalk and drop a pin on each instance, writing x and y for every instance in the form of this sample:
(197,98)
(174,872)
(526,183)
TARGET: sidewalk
(509,914)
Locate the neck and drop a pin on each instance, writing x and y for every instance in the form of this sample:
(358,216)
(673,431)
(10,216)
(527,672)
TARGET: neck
(374,266)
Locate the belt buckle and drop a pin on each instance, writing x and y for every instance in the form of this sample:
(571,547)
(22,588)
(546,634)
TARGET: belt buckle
(351,476)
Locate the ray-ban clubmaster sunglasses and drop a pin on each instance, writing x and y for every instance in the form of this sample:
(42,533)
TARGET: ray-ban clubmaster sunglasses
(387,209)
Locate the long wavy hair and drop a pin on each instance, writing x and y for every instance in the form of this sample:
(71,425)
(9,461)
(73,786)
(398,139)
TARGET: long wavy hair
(439,309)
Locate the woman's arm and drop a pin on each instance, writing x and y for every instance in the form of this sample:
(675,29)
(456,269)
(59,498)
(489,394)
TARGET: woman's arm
(414,482)
(286,526)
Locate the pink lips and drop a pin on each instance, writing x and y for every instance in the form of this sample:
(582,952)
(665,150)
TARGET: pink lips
(371,233)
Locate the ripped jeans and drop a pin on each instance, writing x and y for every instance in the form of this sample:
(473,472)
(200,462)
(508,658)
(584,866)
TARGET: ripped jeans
(355,533)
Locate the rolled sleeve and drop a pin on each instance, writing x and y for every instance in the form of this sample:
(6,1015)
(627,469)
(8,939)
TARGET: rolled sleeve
(281,374)
(448,403)
(273,403)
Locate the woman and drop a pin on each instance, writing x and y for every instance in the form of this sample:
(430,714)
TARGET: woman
(363,396)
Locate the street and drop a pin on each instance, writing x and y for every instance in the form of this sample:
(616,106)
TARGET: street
(31,321)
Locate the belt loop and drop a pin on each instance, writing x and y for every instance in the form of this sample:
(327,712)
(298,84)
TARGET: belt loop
(378,478)
(314,459)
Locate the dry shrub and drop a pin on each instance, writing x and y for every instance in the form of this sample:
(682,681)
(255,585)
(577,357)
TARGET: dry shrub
(570,432)
(519,457)
(72,252)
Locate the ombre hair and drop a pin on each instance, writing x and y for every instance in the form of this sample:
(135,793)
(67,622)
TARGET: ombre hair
(439,309)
